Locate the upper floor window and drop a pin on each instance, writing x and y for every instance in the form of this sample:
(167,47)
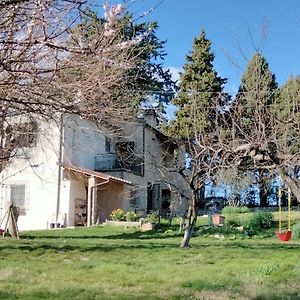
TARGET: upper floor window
(107,144)
(125,153)
(127,158)
(170,157)
(25,134)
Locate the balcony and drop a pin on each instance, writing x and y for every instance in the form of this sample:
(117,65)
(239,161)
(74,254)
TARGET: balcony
(105,162)
(109,162)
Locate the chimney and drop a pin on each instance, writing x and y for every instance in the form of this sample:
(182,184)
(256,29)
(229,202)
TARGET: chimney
(150,117)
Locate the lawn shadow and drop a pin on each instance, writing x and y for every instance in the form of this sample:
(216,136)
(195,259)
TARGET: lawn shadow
(132,241)
(158,233)
(84,248)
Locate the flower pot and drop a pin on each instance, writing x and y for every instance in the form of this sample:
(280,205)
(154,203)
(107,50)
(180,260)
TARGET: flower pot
(218,219)
(148,226)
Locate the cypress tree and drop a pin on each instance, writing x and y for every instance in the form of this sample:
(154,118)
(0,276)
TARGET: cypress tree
(287,113)
(199,88)
(199,101)
(255,103)
(255,98)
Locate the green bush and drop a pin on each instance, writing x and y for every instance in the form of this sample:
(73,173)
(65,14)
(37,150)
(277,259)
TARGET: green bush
(131,216)
(296,231)
(259,221)
(118,215)
(233,221)
(152,217)
(235,209)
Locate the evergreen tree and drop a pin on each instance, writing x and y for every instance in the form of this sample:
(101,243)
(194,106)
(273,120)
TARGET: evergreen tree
(287,127)
(254,106)
(201,102)
(199,89)
(255,98)
(287,111)
(149,78)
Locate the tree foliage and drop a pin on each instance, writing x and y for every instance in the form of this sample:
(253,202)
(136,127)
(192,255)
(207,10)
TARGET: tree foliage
(201,104)
(148,77)
(288,115)
(255,98)
(57,58)
(255,134)
(200,89)
(253,116)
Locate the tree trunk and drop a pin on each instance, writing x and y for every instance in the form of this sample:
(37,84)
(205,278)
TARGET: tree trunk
(191,222)
(263,188)
(263,194)
(291,183)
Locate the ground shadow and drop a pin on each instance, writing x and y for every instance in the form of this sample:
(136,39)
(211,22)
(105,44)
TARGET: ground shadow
(158,233)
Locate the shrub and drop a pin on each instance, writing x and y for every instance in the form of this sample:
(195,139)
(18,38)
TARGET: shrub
(234,221)
(260,220)
(152,217)
(131,216)
(235,209)
(118,215)
(296,231)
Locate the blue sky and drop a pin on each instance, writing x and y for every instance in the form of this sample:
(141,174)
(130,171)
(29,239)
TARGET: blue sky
(235,28)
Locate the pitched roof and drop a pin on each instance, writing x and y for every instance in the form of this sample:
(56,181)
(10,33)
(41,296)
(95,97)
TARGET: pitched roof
(97,174)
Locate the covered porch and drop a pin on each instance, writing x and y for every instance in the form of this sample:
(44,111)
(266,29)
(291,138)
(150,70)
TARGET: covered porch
(89,197)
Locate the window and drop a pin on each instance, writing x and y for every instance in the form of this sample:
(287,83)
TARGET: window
(127,158)
(134,198)
(107,144)
(25,134)
(125,154)
(17,197)
(170,156)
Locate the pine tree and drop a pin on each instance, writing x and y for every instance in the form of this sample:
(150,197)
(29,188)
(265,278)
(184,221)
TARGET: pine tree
(146,78)
(288,116)
(200,100)
(255,98)
(199,88)
(287,127)
(255,103)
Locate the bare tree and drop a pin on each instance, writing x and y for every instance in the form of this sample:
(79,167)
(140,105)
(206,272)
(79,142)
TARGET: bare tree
(52,63)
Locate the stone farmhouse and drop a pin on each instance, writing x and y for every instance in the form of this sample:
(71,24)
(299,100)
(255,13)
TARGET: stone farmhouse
(75,173)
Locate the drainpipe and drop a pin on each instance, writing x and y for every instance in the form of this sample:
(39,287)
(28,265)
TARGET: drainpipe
(144,141)
(1,200)
(91,203)
(59,176)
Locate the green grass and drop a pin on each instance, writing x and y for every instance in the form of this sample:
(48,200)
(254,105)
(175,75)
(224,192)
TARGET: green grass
(114,263)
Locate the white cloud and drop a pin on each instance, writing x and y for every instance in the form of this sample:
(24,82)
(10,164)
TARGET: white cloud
(170,111)
(175,72)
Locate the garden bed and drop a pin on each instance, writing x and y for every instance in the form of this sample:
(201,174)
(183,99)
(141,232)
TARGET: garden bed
(124,224)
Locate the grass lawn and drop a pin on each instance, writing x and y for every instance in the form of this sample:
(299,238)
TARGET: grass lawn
(115,263)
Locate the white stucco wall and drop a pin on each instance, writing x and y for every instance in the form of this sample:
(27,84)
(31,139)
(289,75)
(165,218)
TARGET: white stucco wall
(149,146)
(82,141)
(71,190)
(37,168)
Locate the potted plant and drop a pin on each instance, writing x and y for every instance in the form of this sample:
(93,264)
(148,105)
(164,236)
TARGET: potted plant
(218,219)
(151,221)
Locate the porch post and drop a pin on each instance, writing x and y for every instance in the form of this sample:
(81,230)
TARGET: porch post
(91,200)
(94,204)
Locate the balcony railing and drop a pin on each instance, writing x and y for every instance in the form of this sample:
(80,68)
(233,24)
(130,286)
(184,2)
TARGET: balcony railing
(104,162)
(109,162)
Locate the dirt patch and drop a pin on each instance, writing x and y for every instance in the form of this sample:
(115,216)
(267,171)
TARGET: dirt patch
(212,295)
(4,274)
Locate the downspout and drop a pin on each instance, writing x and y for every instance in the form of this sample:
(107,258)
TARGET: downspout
(59,176)
(91,219)
(1,200)
(144,138)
